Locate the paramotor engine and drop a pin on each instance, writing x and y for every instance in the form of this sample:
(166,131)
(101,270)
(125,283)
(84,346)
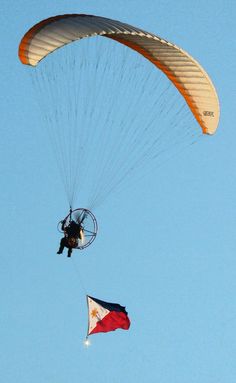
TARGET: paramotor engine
(86,221)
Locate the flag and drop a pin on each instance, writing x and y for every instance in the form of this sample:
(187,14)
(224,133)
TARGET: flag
(104,316)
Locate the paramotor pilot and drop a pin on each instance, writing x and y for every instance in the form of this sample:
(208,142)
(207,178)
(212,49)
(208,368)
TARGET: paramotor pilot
(72,233)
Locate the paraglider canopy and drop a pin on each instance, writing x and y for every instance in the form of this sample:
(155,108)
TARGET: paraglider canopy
(184,72)
(107,113)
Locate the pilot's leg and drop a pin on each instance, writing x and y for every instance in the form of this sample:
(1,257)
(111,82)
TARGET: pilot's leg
(62,245)
(69,252)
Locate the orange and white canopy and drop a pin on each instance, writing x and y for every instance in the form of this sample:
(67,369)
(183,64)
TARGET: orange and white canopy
(183,71)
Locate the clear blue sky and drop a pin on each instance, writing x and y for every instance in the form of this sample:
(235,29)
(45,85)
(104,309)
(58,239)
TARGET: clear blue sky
(177,278)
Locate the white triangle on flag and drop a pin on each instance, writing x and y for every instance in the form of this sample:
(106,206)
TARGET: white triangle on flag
(96,313)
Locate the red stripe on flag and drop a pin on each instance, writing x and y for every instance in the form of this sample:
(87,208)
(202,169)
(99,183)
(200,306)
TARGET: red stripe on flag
(111,322)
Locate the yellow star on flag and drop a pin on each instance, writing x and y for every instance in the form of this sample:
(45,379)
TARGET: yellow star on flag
(94,313)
